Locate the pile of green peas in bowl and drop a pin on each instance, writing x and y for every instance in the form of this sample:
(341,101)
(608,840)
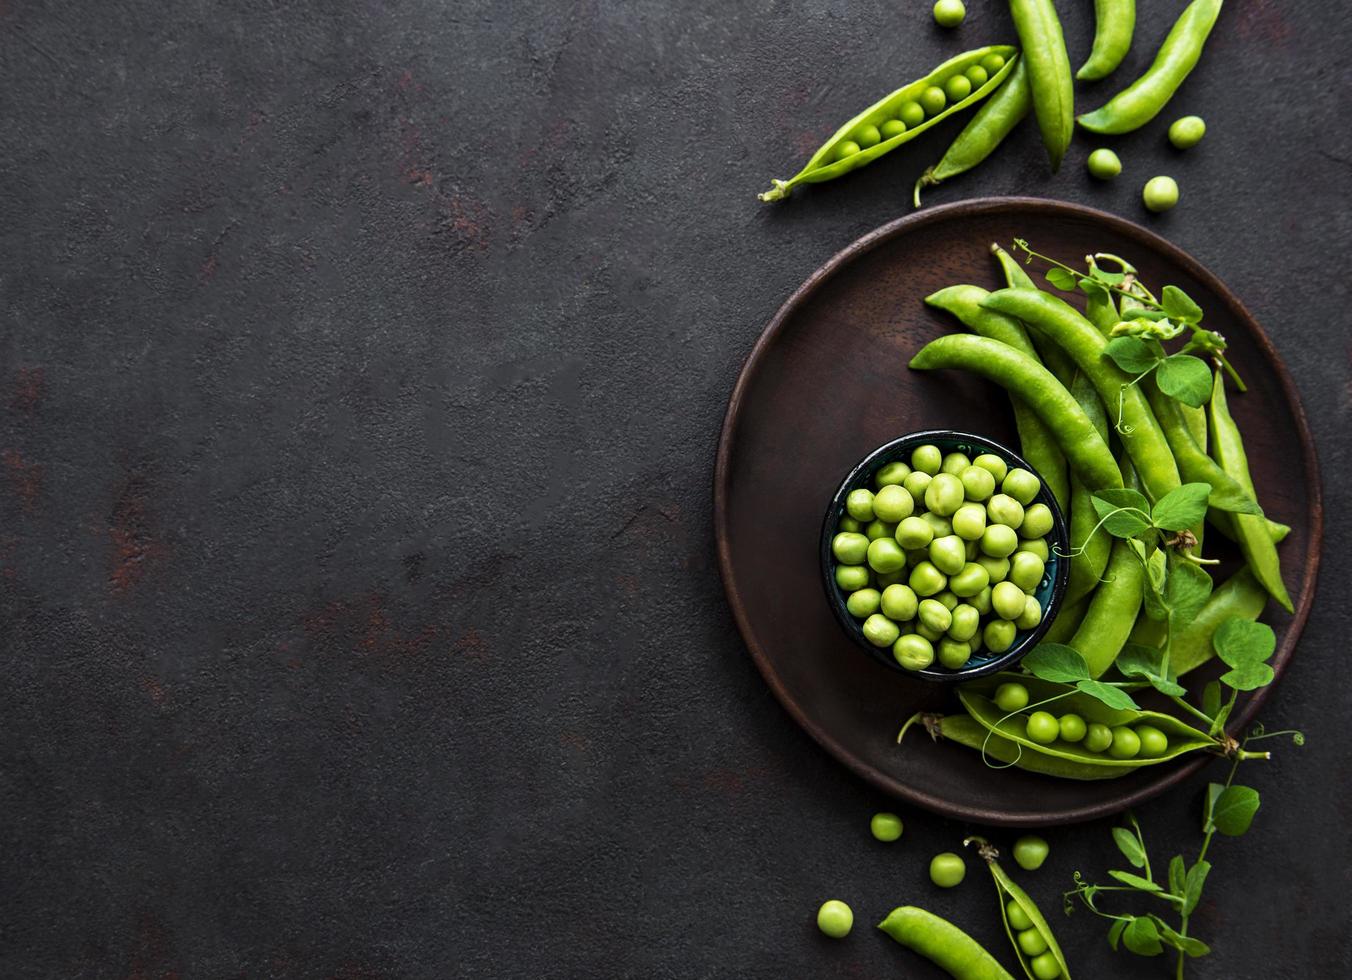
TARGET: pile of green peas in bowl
(943,555)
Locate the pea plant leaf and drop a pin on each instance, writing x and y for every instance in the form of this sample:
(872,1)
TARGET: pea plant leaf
(1132,354)
(1192,885)
(1186,378)
(1107,275)
(1245,646)
(1124,512)
(1220,718)
(1142,937)
(1062,279)
(1182,507)
(1156,576)
(1213,791)
(1233,811)
(1186,590)
(1178,877)
(1211,698)
(1144,313)
(1135,881)
(1115,933)
(1129,846)
(1149,664)
(1184,944)
(1180,306)
(1113,697)
(1056,662)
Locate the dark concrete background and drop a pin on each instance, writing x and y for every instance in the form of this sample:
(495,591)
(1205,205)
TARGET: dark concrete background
(361,366)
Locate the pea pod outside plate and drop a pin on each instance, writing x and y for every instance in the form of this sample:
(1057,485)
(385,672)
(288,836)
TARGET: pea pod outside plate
(1114,23)
(1008,890)
(1049,78)
(943,943)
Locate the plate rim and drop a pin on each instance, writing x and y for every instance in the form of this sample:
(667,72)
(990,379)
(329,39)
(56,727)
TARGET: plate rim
(727,433)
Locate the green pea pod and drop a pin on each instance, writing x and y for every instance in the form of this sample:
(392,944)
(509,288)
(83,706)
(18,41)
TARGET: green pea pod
(1195,420)
(1007,890)
(1036,441)
(1024,377)
(1183,738)
(1140,432)
(1240,596)
(1195,465)
(826,163)
(1115,22)
(1067,621)
(1148,631)
(942,943)
(1142,100)
(1099,308)
(1112,611)
(992,123)
(965,730)
(1090,544)
(1254,538)
(1016,277)
(1044,46)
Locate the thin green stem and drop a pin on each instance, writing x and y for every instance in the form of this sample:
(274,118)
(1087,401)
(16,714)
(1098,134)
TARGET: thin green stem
(1196,712)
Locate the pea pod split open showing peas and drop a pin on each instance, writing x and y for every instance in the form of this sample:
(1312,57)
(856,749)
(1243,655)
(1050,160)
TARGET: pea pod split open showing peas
(1053,89)
(943,943)
(966,730)
(1016,908)
(1143,99)
(1115,22)
(902,116)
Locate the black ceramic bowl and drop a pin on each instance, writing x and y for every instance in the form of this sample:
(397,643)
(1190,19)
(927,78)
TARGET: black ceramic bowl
(1049,591)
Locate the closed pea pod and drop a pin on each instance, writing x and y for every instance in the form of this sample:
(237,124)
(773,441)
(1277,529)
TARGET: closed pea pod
(1115,21)
(1111,613)
(1195,465)
(1143,99)
(901,106)
(943,943)
(1016,907)
(1089,544)
(1016,277)
(1044,46)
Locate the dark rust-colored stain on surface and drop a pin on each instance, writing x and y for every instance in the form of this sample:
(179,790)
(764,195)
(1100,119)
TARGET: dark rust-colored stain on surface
(151,956)
(135,548)
(1261,22)
(25,478)
(472,644)
(154,690)
(362,624)
(29,384)
(574,741)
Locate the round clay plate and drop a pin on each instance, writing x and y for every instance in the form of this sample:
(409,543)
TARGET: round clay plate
(827,383)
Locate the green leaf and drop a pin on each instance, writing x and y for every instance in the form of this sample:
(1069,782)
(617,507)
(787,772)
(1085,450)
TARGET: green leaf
(1213,790)
(1143,313)
(1131,354)
(1211,699)
(1142,938)
(1148,663)
(1062,279)
(1248,677)
(1124,512)
(1186,378)
(1135,881)
(1239,640)
(1103,275)
(1113,697)
(1115,933)
(1182,507)
(1056,662)
(1193,884)
(1178,878)
(1185,944)
(1156,569)
(1186,590)
(1233,811)
(1129,846)
(1179,305)
(1218,722)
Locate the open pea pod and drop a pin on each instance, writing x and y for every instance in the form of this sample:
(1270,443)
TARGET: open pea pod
(1008,890)
(1183,738)
(965,730)
(827,164)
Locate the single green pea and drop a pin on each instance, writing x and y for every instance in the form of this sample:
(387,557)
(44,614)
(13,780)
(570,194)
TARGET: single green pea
(1031,615)
(1187,132)
(1030,851)
(948,554)
(1073,728)
(999,540)
(969,581)
(947,599)
(1154,743)
(885,579)
(997,569)
(957,87)
(947,870)
(1008,600)
(1025,570)
(835,919)
(893,127)
(966,621)
(914,532)
(954,463)
(944,495)
(876,529)
(993,465)
(1022,485)
(1160,193)
(993,62)
(927,459)
(851,578)
(913,651)
(846,150)
(1045,967)
(1032,943)
(1004,509)
(891,474)
(977,482)
(1042,727)
(928,632)
(927,580)
(969,520)
(885,555)
(954,654)
(1018,918)
(916,484)
(899,603)
(981,602)
(848,523)
(933,615)
(975,642)
(893,504)
(859,504)
(868,136)
(863,603)
(911,114)
(880,631)
(886,827)
(1010,697)
(850,547)
(999,635)
(933,100)
(1103,164)
(941,526)
(1126,743)
(949,13)
(1097,737)
(1037,521)
(977,75)
(1035,546)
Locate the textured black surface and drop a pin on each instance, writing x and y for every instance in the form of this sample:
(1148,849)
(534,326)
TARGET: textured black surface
(360,369)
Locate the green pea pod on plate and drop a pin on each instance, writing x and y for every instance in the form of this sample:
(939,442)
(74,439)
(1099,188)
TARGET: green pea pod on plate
(1194,464)
(1016,277)
(1142,100)
(1114,23)
(907,112)
(1009,893)
(943,943)
(1049,78)
(1090,545)
(967,731)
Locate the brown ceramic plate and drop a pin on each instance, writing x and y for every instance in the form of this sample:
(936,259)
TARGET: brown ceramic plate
(827,382)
